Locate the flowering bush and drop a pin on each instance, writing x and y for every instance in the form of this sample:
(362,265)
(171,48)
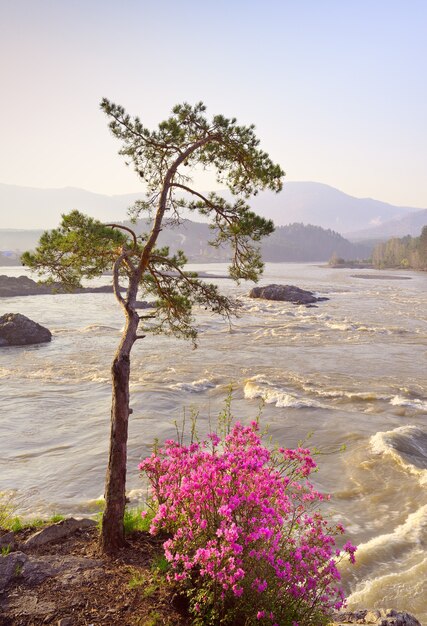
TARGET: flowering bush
(246,543)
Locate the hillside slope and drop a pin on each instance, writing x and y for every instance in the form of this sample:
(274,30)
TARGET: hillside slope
(295,242)
(307,202)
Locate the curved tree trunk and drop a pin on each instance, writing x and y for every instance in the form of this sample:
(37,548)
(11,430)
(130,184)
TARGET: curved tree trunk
(112,534)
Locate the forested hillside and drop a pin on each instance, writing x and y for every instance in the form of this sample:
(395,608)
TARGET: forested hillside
(299,242)
(410,252)
(295,242)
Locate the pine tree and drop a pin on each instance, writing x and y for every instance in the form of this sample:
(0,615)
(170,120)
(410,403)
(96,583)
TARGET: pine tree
(84,248)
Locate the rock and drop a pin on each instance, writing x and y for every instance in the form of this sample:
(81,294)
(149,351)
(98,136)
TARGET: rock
(377,617)
(67,568)
(143,304)
(372,617)
(18,330)
(58,531)
(8,539)
(65,621)
(29,605)
(288,293)
(20,286)
(11,566)
(34,570)
(12,286)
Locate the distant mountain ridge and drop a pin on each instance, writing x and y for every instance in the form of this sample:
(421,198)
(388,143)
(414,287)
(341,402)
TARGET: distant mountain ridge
(302,202)
(295,242)
(325,206)
(410,224)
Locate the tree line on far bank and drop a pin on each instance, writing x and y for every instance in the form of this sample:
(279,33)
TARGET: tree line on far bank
(406,252)
(292,243)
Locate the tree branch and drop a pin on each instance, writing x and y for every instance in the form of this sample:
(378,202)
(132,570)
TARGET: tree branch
(129,230)
(195,193)
(116,286)
(163,198)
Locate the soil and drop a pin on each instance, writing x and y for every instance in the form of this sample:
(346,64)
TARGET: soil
(128,590)
(122,591)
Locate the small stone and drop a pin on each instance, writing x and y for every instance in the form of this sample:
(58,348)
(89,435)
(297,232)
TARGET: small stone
(65,621)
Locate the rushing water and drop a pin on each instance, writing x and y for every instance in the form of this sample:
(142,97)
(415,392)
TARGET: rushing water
(351,371)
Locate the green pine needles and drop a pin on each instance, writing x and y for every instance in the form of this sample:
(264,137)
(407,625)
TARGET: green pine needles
(83,248)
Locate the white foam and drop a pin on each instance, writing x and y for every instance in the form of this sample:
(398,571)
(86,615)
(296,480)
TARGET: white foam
(275,395)
(413,403)
(407,537)
(350,395)
(378,581)
(197,386)
(96,378)
(407,446)
(93,328)
(392,589)
(340,326)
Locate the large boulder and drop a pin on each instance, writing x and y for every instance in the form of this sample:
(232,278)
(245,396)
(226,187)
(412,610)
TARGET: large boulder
(288,293)
(18,330)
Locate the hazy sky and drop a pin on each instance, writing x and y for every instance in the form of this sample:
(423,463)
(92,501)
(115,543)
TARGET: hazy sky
(337,88)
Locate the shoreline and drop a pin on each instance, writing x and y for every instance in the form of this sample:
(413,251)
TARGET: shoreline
(54,573)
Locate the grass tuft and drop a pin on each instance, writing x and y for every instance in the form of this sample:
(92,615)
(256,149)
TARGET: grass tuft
(134,521)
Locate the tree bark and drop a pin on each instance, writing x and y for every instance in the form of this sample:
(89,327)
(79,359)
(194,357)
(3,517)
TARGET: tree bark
(112,533)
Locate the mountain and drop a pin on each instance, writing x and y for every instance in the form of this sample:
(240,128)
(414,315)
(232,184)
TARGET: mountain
(18,239)
(325,206)
(295,242)
(306,202)
(410,224)
(31,207)
(299,242)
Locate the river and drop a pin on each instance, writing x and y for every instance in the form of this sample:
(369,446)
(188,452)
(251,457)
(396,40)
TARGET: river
(351,372)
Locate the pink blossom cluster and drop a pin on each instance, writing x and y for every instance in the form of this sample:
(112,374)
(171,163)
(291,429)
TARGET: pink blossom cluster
(243,524)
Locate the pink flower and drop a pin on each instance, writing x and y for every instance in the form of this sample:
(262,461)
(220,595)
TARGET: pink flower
(241,518)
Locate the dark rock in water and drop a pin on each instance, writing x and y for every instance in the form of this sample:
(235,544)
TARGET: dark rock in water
(143,304)
(21,286)
(18,330)
(12,286)
(288,293)
(375,617)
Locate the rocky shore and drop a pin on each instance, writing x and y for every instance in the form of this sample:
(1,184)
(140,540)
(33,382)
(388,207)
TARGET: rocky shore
(24,286)
(57,576)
